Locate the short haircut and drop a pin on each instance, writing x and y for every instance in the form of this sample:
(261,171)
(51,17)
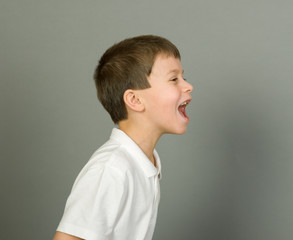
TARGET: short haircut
(126,65)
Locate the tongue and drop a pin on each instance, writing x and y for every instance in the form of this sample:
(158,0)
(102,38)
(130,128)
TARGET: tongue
(182,111)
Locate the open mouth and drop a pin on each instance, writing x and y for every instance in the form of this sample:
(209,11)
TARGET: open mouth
(182,108)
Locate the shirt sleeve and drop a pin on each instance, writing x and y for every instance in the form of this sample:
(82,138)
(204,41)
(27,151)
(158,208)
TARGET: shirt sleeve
(94,204)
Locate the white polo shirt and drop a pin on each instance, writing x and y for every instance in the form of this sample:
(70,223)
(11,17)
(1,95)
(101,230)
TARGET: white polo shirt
(116,195)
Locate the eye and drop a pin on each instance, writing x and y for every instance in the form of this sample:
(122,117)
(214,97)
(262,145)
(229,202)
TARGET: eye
(174,79)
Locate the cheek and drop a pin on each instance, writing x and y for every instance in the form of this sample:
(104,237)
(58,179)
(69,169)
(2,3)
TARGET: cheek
(169,106)
(166,100)
(171,99)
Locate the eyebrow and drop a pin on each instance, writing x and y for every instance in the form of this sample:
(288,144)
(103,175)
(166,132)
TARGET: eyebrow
(175,71)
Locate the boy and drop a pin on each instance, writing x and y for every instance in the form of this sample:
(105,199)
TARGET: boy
(116,195)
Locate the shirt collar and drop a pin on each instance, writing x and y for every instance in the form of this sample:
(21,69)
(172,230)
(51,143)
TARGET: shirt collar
(148,168)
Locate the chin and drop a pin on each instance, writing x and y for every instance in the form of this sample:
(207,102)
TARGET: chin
(178,131)
(181,132)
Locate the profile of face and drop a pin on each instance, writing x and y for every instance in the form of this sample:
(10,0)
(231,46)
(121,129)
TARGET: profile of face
(168,96)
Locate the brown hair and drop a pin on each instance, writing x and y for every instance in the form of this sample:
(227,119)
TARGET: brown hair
(126,65)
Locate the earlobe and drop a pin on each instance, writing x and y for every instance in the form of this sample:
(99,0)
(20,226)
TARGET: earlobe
(132,100)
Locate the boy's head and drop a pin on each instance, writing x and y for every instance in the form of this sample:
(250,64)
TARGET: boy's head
(126,65)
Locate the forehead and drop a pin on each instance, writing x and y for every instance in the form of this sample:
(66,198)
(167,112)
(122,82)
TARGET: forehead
(165,65)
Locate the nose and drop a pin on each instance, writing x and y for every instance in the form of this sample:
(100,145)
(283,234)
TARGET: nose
(187,87)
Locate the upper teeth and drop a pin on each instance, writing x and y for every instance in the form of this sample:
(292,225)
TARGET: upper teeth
(182,104)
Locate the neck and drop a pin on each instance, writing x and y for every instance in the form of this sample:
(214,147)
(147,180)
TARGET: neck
(143,137)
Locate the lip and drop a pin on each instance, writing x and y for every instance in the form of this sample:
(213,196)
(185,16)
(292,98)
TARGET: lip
(186,101)
(182,107)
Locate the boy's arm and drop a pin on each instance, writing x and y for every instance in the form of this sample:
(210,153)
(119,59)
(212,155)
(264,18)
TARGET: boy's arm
(64,236)
(94,205)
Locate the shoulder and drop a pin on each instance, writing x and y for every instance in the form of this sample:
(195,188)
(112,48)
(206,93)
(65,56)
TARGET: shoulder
(105,171)
(112,156)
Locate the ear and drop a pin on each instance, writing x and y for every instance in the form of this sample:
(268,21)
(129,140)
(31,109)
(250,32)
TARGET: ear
(132,100)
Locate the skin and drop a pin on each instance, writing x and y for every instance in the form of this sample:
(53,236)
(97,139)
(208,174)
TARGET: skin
(64,236)
(154,111)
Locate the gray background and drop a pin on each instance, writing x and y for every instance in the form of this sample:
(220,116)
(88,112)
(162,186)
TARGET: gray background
(228,177)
